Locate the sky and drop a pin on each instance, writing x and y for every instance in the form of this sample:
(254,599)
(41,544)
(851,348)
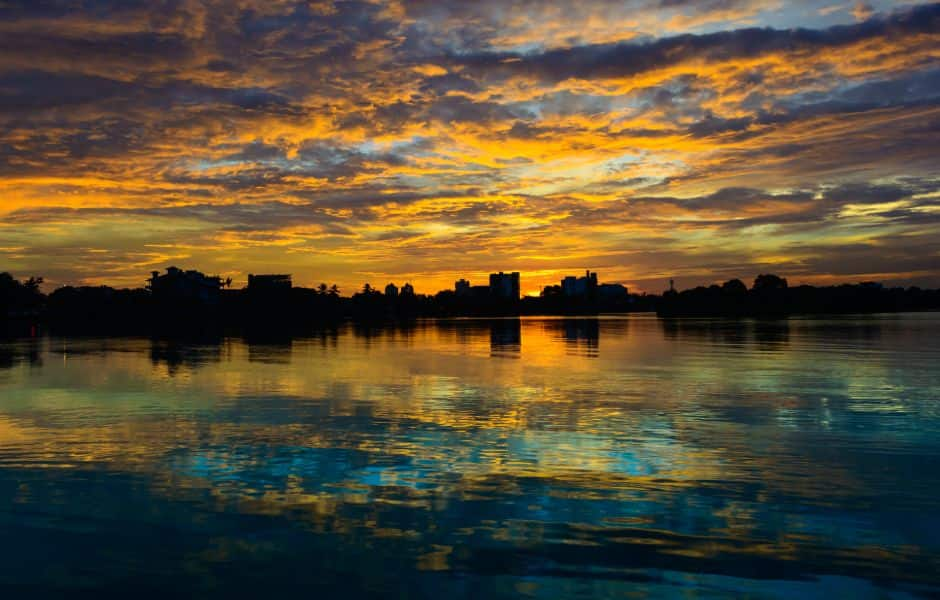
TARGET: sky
(424,140)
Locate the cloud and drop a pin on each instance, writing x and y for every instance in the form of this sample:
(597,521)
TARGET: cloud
(630,59)
(328,138)
(862,11)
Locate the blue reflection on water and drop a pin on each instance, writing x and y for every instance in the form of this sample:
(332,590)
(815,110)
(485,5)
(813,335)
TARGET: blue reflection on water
(549,458)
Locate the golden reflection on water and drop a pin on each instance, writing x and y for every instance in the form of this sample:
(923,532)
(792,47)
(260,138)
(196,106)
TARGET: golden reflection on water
(699,442)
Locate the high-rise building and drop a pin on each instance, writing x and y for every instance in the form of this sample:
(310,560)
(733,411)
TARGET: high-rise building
(505,286)
(391,290)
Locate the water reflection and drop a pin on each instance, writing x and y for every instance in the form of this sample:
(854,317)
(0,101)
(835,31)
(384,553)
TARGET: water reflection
(175,354)
(14,353)
(785,458)
(506,338)
(771,334)
(270,350)
(582,336)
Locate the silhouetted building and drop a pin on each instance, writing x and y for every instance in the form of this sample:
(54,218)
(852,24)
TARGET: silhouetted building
(505,286)
(193,304)
(179,285)
(480,292)
(269,283)
(462,287)
(612,291)
(579,287)
(391,290)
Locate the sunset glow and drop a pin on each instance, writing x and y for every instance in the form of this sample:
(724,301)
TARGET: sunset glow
(425,141)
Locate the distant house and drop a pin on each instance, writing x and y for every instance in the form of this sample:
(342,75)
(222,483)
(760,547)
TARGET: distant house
(391,290)
(190,286)
(505,286)
(269,283)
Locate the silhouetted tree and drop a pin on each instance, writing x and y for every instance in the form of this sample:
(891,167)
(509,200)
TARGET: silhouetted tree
(734,286)
(769,282)
(99,309)
(19,298)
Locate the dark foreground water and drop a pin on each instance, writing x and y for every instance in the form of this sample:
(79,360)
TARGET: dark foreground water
(546,458)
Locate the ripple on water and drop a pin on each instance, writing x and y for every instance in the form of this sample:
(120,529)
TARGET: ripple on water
(551,458)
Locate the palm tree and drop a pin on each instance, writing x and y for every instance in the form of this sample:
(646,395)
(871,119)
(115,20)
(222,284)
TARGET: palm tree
(322,289)
(334,290)
(32,284)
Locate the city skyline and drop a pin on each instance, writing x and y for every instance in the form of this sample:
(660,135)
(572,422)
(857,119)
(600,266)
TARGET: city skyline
(425,142)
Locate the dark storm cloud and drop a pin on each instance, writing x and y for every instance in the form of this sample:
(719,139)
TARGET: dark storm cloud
(624,59)
(523,130)
(362,202)
(234,216)
(271,165)
(447,110)
(254,152)
(31,91)
(464,26)
(98,141)
(335,207)
(142,49)
(247,179)
(36,90)
(333,162)
(451,82)
(740,208)
(907,91)
(885,254)
(869,193)
(104,9)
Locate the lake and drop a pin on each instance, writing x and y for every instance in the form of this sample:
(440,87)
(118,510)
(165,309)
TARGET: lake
(532,458)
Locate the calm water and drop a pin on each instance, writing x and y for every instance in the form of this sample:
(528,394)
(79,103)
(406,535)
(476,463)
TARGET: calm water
(546,458)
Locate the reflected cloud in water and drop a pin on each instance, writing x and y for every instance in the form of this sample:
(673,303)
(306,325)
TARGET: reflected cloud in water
(785,457)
